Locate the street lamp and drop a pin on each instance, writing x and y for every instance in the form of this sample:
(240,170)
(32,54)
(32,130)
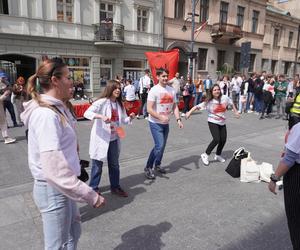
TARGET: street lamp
(184,29)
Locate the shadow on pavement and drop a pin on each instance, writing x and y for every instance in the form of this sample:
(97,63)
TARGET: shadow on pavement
(146,237)
(112,203)
(174,166)
(274,235)
(21,138)
(129,184)
(181,163)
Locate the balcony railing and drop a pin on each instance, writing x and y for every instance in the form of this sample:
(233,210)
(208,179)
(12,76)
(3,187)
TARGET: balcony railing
(227,33)
(109,33)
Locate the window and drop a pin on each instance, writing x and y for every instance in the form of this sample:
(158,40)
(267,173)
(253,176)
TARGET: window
(133,69)
(105,71)
(237,61)
(223,12)
(79,69)
(273,66)
(202,55)
(287,66)
(65,10)
(265,64)
(255,21)
(252,61)
(240,16)
(204,10)
(142,20)
(106,12)
(3,7)
(221,59)
(179,9)
(291,35)
(276,38)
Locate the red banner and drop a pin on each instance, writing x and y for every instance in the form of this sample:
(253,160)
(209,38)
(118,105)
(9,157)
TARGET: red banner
(163,59)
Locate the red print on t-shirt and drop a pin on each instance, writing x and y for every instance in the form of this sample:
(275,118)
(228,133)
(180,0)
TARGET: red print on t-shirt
(166,99)
(114,115)
(219,108)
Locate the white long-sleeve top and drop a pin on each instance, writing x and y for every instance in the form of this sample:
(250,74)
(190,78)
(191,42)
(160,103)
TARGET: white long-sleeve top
(101,131)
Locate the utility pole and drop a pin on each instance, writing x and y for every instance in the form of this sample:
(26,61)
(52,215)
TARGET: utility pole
(191,69)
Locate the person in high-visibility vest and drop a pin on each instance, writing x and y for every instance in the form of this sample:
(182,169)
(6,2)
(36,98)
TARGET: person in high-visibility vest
(294,116)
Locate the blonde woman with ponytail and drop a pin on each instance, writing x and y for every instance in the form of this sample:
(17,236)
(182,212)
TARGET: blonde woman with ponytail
(52,156)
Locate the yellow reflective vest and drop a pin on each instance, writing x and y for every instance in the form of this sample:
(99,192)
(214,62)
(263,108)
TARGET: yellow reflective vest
(296,106)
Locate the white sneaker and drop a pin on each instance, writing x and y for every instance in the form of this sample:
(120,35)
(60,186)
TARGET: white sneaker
(219,158)
(183,115)
(8,140)
(204,158)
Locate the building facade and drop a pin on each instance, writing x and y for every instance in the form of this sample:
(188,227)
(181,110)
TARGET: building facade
(291,6)
(272,31)
(230,24)
(280,53)
(97,39)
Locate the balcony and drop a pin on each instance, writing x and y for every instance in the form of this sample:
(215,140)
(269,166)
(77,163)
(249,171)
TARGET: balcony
(226,33)
(111,34)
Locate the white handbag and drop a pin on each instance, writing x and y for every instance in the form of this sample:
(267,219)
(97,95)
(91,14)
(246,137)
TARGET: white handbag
(249,170)
(265,171)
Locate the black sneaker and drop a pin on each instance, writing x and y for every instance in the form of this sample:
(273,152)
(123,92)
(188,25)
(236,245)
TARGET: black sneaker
(149,173)
(160,169)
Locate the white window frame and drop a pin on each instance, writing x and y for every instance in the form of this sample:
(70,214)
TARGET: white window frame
(109,13)
(140,16)
(106,66)
(64,6)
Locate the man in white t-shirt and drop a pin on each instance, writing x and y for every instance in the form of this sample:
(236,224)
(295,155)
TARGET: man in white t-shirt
(160,105)
(129,91)
(144,86)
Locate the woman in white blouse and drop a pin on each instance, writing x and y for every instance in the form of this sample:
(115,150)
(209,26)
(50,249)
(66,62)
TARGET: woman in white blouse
(108,114)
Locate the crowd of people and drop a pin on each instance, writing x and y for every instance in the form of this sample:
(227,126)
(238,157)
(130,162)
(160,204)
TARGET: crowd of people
(54,157)
(12,97)
(259,93)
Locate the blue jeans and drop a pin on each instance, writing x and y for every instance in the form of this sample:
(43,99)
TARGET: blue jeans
(60,215)
(113,167)
(198,98)
(258,103)
(249,99)
(160,135)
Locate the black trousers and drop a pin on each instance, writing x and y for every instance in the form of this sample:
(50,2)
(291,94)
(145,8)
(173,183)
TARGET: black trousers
(267,106)
(186,100)
(219,134)
(144,97)
(291,187)
(10,107)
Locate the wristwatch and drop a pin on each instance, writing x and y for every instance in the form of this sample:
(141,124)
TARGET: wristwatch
(274,178)
(178,119)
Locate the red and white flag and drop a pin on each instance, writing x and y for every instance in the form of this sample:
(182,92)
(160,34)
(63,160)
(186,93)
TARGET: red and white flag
(202,26)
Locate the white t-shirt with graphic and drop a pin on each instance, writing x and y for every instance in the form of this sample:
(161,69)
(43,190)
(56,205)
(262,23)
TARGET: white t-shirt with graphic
(129,93)
(164,99)
(216,110)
